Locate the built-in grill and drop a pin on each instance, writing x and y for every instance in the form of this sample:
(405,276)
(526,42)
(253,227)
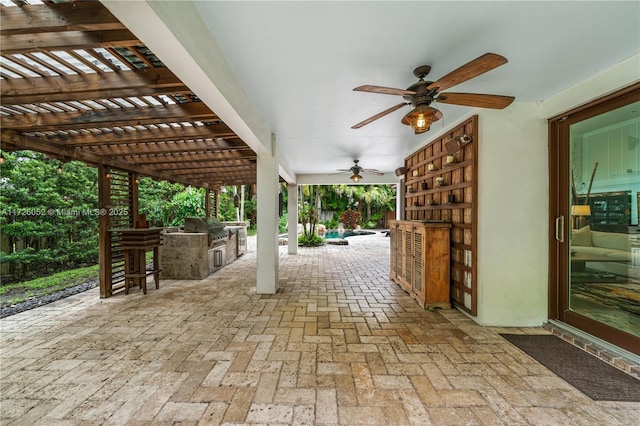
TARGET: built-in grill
(218,235)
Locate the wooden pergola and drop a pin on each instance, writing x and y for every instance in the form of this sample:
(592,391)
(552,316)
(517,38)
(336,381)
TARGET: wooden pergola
(76,84)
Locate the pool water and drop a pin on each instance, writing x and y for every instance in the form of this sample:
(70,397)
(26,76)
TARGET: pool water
(336,234)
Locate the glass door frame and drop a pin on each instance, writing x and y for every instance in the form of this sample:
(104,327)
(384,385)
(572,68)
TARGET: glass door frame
(560,218)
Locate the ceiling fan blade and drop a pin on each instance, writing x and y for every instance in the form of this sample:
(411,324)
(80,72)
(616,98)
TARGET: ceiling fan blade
(373,172)
(475,100)
(478,66)
(379,115)
(384,90)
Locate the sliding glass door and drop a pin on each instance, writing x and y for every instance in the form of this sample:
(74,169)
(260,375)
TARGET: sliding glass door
(595,168)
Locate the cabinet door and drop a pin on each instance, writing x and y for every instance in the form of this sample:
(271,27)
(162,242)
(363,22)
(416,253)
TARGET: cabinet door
(407,257)
(418,243)
(398,254)
(437,265)
(393,258)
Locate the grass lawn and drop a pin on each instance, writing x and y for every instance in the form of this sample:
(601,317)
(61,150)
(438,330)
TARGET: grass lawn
(11,294)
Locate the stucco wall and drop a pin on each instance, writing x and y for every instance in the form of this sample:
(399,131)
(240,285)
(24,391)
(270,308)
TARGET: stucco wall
(512,216)
(513,200)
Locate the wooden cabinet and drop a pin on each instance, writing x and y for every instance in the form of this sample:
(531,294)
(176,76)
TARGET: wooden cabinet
(420,261)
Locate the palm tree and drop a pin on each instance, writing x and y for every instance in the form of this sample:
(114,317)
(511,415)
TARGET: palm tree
(374,196)
(366,199)
(352,192)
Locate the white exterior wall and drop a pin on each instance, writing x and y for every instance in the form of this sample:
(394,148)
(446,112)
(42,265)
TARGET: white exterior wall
(512,216)
(615,78)
(513,197)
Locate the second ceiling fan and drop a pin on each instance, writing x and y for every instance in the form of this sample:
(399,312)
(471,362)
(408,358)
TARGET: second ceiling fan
(420,95)
(356,169)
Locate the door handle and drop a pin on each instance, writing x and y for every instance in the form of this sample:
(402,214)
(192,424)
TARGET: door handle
(560,229)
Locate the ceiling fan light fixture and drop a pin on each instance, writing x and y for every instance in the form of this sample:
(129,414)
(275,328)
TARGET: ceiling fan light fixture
(356,177)
(421,117)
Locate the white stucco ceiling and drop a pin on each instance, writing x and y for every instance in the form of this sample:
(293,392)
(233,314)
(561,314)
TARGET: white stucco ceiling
(299,61)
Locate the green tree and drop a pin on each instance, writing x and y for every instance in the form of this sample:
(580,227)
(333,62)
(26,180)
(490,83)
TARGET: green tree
(44,221)
(309,218)
(154,200)
(375,198)
(188,203)
(371,201)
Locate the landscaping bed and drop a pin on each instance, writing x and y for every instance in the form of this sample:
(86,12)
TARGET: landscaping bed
(22,296)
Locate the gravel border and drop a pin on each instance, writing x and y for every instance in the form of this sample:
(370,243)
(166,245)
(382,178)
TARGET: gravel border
(7,311)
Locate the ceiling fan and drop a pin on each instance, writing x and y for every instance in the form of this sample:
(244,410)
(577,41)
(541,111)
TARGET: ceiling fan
(356,170)
(421,94)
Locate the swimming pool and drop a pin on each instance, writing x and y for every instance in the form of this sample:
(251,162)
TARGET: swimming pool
(335,234)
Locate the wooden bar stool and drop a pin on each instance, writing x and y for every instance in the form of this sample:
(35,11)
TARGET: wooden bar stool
(135,243)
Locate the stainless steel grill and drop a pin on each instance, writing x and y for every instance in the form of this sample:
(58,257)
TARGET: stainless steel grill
(218,235)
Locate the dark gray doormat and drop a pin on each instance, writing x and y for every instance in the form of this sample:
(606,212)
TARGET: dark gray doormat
(590,375)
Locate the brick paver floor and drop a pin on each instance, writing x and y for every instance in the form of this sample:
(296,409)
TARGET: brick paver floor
(338,344)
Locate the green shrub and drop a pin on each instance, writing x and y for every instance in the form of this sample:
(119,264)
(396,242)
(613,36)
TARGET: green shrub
(333,223)
(310,240)
(282,223)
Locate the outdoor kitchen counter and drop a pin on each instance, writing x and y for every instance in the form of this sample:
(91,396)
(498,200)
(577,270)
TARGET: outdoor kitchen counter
(185,255)
(191,255)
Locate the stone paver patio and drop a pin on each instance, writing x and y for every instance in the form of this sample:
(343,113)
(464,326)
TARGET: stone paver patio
(338,344)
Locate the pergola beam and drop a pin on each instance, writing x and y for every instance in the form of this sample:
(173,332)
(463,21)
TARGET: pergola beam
(161,159)
(71,40)
(17,141)
(215,168)
(195,111)
(157,148)
(138,83)
(76,16)
(188,165)
(226,138)
(214,176)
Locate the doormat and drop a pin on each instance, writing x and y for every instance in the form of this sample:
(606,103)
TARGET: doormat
(591,376)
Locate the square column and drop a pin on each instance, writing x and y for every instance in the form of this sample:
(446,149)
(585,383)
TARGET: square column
(267,209)
(292,218)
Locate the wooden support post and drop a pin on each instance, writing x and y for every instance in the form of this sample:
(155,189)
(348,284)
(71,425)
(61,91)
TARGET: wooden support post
(216,206)
(207,202)
(133,194)
(104,235)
